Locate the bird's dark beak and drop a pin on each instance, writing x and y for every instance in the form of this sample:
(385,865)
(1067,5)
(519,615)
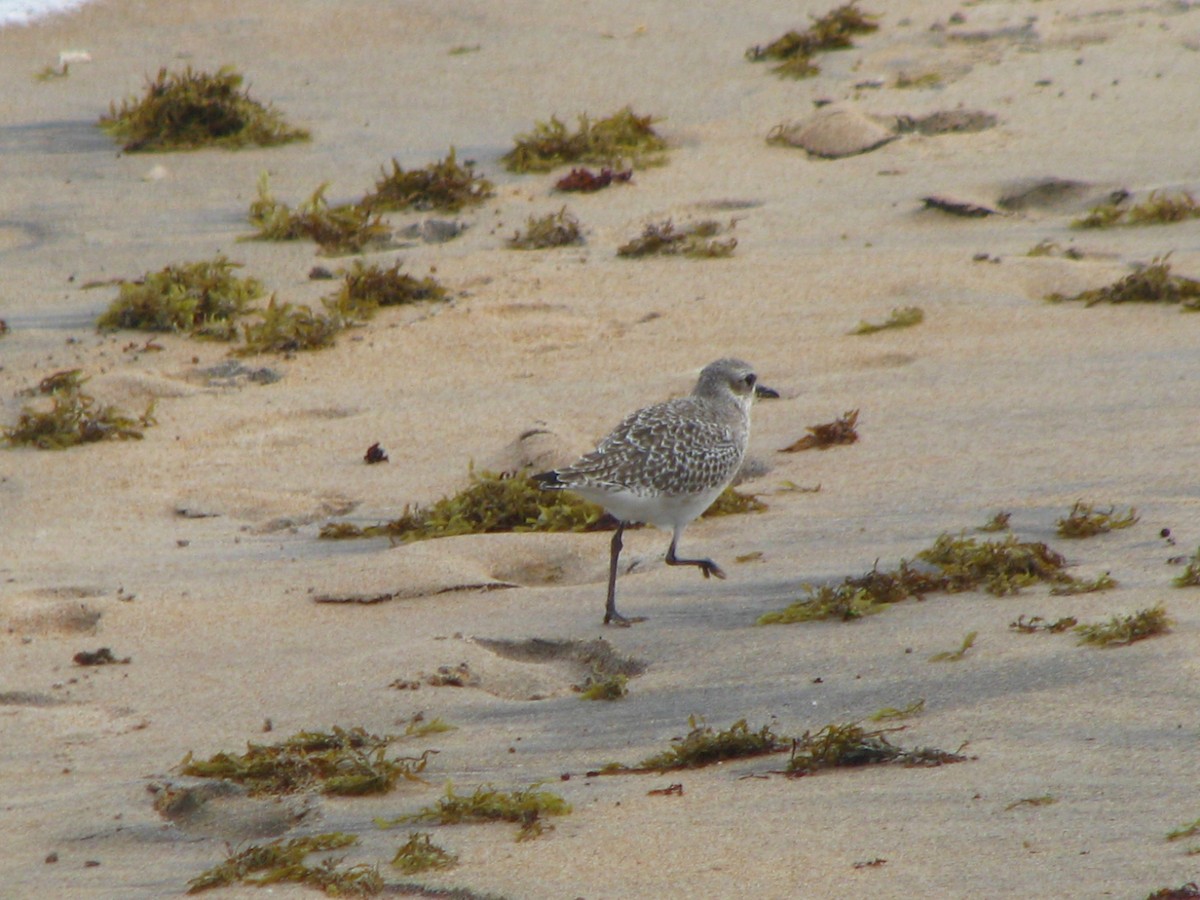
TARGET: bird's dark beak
(762,392)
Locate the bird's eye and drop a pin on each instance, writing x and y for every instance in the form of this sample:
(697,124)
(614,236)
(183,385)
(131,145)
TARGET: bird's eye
(750,379)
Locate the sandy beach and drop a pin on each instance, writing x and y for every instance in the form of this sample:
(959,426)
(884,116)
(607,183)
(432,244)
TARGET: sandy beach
(195,551)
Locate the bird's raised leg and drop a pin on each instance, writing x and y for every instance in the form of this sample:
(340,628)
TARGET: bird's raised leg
(707,566)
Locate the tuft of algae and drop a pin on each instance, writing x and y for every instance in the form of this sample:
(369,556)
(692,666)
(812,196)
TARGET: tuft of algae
(445,185)
(954,565)
(601,686)
(341,762)
(1102,582)
(189,110)
(732,502)
(829,434)
(201,299)
(1190,576)
(890,713)
(560,229)
(1152,283)
(338,230)
(1191,829)
(622,139)
(584,180)
(288,328)
(848,745)
(1047,247)
(902,317)
(1160,208)
(702,746)
(491,502)
(1120,630)
(526,806)
(1034,624)
(73,417)
(366,288)
(833,31)
(1084,520)
(955,655)
(282,861)
(420,854)
(699,241)
(998,522)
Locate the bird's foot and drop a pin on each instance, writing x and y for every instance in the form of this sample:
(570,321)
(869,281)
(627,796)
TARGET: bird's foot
(612,617)
(708,567)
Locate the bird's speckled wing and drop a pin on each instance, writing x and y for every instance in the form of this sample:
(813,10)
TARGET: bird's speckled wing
(674,448)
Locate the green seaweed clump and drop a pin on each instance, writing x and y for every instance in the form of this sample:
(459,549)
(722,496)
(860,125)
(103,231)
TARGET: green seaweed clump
(73,417)
(1034,624)
(365,288)
(849,745)
(1160,208)
(1084,520)
(903,317)
(698,241)
(288,328)
(197,109)
(338,230)
(999,567)
(889,713)
(599,686)
(955,655)
(1190,576)
(832,31)
(828,434)
(732,502)
(1121,630)
(526,807)
(622,139)
(560,229)
(202,299)
(490,503)
(1102,582)
(856,597)
(420,854)
(444,185)
(1151,283)
(282,861)
(341,762)
(702,747)
(998,522)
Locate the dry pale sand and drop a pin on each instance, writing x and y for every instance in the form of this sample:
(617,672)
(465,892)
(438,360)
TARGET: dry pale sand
(998,401)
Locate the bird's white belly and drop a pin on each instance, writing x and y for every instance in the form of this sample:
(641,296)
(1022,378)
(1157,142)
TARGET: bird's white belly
(660,510)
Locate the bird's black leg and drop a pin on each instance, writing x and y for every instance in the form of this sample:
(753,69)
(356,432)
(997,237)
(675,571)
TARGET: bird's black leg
(707,566)
(611,616)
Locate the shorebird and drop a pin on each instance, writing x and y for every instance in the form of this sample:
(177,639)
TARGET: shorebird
(664,465)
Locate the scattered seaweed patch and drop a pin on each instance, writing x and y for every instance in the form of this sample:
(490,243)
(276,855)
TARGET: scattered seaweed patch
(622,139)
(1102,582)
(959,564)
(282,861)
(527,807)
(102,657)
(342,762)
(560,229)
(699,241)
(998,522)
(586,181)
(289,328)
(490,503)
(832,31)
(1084,520)
(366,288)
(188,110)
(903,317)
(445,185)
(601,686)
(1152,283)
(420,854)
(849,745)
(1160,208)
(338,230)
(1048,247)
(201,299)
(732,502)
(73,417)
(1187,891)
(702,746)
(829,434)
(1120,630)
(1036,624)
(891,713)
(1190,576)
(1043,800)
(1191,829)
(955,655)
